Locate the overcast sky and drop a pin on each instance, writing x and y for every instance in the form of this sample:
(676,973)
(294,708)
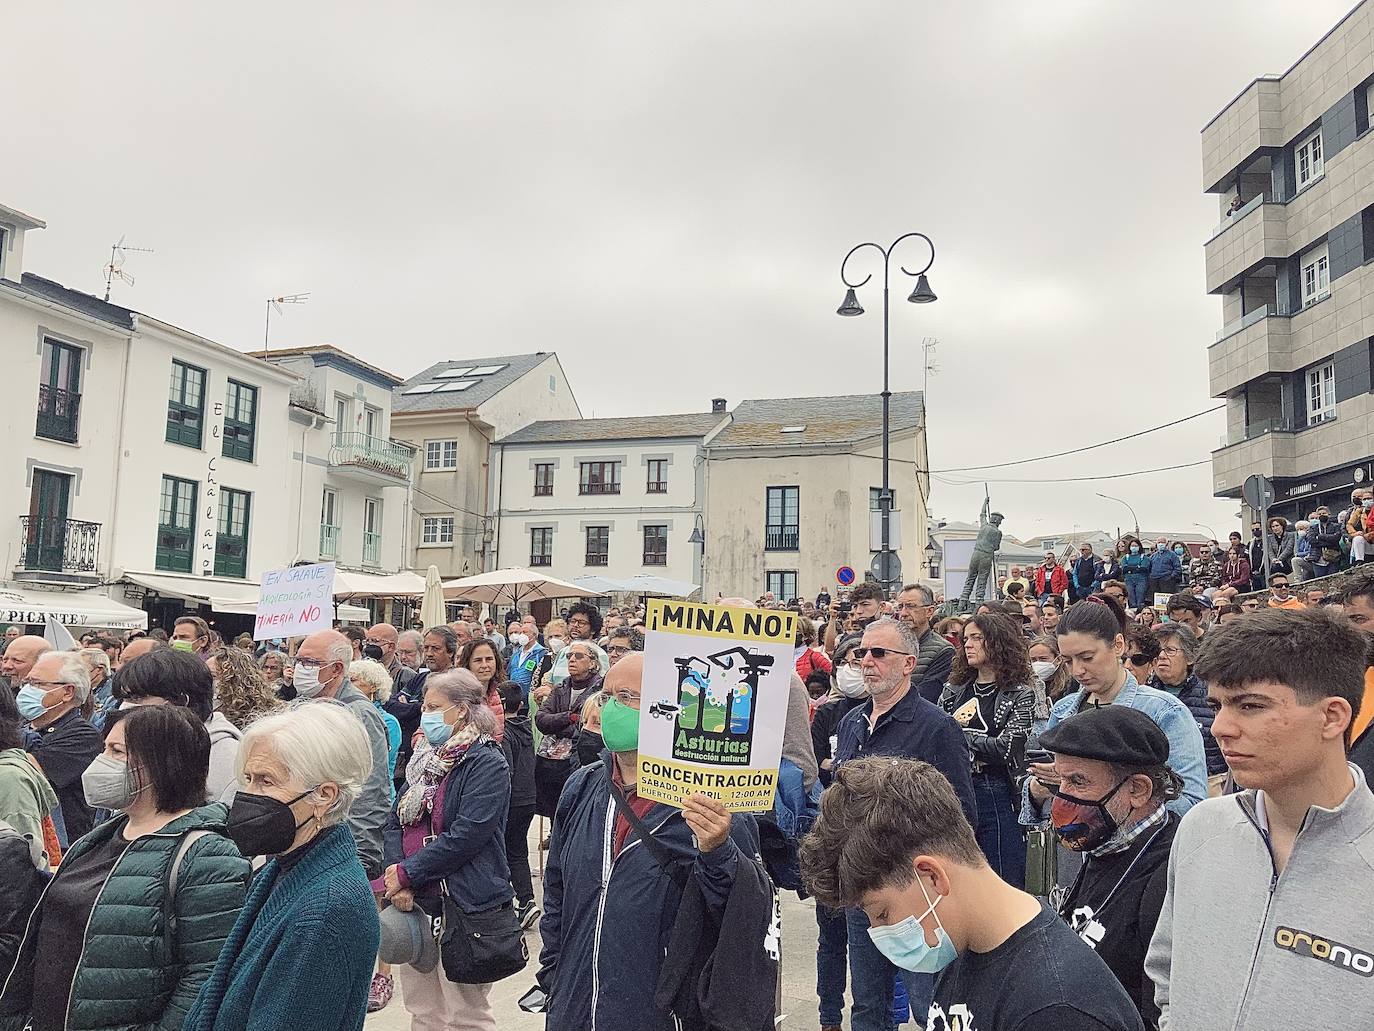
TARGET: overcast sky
(662,194)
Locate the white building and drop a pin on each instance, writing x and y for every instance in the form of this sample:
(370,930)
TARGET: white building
(792,489)
(349,473)
(452,413)
(145,459)
(607,497)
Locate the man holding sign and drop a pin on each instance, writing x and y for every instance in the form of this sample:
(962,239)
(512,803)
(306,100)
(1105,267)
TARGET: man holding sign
(626,892)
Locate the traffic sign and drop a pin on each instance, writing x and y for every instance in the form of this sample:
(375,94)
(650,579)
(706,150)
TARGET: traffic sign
(1258,492)
(844,576)
(886,572)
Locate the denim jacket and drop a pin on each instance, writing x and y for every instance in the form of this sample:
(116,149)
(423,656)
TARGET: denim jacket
(1186,756)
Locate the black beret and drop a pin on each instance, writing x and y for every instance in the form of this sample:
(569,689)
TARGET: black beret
(1115,734)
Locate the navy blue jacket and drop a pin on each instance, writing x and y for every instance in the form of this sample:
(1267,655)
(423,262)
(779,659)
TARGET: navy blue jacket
(1165,565)
(915,729)
(1193,693)
(607,920)
(469,857)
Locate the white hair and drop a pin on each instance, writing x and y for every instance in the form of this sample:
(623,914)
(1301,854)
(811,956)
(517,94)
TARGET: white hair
(372,672)
(414,637)
(74,672)
(94,657)
(340,651)
(319,742)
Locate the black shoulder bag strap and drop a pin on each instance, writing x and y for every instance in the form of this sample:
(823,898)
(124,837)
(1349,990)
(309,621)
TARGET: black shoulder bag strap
(674,868)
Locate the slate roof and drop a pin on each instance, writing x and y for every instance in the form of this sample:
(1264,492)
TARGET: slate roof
(827,420)
(639,427)
(486,387)
(327,350)
(86,304)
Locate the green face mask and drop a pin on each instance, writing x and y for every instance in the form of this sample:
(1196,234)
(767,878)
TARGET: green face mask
(619,726)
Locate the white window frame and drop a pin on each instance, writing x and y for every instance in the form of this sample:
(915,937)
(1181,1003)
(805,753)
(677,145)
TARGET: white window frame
(1321,393)
(436,530)
(1315,273)
(441,455)
(1309,154)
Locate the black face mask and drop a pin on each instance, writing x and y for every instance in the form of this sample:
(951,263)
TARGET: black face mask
(589,746)
(372,651)
(261,825)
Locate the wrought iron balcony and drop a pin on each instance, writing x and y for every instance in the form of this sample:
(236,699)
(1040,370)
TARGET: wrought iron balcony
(541,560)
(52,545)
(329,541)
(593,487)
(58,410)
(597,559)
(656,558)
(375,458)
(781,538)
(372,548)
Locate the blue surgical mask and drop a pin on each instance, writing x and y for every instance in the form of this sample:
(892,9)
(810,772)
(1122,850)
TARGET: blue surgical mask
(30,702)
(904,943)
(1135,549)
(1160,547)
(436,731)
(1178,551)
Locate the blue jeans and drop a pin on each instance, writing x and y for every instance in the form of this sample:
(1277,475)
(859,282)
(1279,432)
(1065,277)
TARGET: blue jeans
(1137,587)
(831,957)
(870,980)
(998,830)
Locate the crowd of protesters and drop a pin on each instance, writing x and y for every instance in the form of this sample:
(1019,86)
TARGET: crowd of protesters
(1071,808)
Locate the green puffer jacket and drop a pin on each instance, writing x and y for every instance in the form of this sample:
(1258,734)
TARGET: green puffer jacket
(133,974)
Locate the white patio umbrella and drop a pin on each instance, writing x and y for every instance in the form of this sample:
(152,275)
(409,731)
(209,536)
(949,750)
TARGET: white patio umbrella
(660,586)
(432,611)
(514,586)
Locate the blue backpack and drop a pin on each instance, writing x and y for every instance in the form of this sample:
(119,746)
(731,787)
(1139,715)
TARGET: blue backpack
(780,831)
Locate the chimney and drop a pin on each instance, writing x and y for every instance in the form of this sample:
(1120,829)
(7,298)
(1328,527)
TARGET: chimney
(13,225)
(717,405)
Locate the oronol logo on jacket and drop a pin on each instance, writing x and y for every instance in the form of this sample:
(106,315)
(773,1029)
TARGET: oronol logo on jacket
(1314,946)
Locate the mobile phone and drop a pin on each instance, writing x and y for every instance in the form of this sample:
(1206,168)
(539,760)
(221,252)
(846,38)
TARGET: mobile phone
(1038,755)
(536,1000)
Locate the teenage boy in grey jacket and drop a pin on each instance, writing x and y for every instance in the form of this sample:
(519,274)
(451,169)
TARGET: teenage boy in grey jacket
(1265,922)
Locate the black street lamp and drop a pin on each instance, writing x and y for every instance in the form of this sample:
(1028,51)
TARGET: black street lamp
(922,294)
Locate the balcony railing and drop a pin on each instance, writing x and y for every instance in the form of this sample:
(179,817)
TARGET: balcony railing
(1264,427)
(372,548)
(657,487)
(782,538)
(1244,322)
(57,413)
(656,558)
(329,540)
(543,490)
(598,488)
(541,560)
(59,545)
(595,559)
(362,451)
(1237,215)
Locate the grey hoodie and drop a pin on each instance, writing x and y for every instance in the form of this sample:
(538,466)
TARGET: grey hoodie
(1239,947)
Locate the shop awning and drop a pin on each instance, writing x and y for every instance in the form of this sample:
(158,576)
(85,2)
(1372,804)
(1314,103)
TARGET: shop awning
(70,608)
(231,597)
(238,597)
(348,584)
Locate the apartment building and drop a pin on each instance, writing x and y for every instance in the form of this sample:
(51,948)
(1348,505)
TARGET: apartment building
(1291,163)
(452,413)
(792,488)
(614,498)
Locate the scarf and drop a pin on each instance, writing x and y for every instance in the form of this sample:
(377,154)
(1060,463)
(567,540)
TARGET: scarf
(1124,836)
(434,766)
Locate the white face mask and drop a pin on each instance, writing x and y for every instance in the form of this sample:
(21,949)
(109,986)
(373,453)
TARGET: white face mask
(1044,669)
(557,643)
(850,681)
(307,680)
(519,640)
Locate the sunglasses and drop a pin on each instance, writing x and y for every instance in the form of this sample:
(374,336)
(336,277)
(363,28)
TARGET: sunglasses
(1137,660)
(877,653)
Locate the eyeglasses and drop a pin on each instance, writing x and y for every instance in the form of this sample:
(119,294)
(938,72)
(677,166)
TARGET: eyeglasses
(1171,652)
(626,698)
(579,621)
(1137,660)
(49,684)
(877,653)
(618,649)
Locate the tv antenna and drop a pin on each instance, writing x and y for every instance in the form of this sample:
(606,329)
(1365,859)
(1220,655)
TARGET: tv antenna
(276,303)
(928,346)
(115,269)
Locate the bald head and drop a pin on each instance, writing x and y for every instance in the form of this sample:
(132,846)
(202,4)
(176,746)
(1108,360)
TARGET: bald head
(20,656)
(330,652)
(626,675)
(737,603)
(137,647)
(384,636)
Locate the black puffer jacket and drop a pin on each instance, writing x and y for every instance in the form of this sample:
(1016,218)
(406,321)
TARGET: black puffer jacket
(1193,693)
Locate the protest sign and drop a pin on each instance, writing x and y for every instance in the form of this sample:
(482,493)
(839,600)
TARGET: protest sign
(295,601)
(1162,601)
(714,703)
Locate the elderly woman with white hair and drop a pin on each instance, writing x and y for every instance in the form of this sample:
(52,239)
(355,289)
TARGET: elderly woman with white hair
(300,954)
(447,838)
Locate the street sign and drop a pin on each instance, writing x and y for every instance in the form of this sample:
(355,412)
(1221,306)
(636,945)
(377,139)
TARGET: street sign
(844,576)
(889,572)
(1258,492)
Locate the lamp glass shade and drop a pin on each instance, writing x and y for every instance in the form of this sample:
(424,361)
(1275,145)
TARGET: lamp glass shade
(696,537)
(850,306)
(923,294)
